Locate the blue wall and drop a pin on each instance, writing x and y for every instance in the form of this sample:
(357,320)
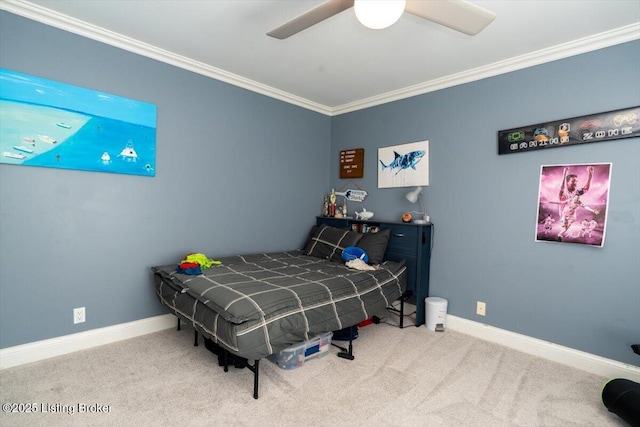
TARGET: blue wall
(484,206)
(235,172)
(240,172)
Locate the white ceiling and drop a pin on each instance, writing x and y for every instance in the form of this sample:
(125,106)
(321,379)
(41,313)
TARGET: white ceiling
(338,65)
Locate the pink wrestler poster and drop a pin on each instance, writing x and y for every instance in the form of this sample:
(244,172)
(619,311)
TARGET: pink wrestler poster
(572,203)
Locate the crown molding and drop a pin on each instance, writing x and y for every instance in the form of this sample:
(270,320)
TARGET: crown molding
(576,47)
(84,29)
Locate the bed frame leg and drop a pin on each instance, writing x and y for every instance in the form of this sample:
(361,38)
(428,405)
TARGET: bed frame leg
(348,354)
(178,324)
(195,342)
(256,370)
(404,297)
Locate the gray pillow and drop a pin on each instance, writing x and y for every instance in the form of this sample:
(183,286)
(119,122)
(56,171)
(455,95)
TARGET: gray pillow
(375,245)
(328,242)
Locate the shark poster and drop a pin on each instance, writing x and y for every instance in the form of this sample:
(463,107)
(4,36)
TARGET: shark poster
(51,124)
(405,165)
(572,203)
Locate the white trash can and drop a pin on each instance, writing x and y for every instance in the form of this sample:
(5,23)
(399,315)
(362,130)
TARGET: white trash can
(435,313)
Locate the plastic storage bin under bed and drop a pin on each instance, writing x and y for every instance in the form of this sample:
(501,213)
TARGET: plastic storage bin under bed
(298,354)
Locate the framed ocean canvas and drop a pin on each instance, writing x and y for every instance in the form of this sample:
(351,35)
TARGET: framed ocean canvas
(52,124)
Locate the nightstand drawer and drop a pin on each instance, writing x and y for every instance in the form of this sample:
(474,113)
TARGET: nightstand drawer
(403,239)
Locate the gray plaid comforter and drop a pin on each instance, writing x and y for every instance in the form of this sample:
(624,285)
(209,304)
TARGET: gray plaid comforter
(256,305)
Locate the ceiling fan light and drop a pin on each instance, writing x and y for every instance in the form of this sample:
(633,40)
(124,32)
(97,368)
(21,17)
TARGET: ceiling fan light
(378,14)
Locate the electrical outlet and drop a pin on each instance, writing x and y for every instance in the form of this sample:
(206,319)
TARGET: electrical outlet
(481,308)
(78,315)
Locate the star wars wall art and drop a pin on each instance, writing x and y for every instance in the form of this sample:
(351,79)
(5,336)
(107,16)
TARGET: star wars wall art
(572,203)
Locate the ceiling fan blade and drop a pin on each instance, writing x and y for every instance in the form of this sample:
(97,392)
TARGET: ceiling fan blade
(459,15)
(317,14)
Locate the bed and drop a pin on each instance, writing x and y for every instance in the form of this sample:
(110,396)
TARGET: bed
(256,305)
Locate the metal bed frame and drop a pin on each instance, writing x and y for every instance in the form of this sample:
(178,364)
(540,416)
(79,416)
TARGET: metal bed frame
(346,353)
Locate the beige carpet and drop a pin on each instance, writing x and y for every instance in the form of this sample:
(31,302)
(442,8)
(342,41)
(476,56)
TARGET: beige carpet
(409,377)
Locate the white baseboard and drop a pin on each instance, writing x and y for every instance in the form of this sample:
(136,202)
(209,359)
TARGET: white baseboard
(567,356)
(40,350)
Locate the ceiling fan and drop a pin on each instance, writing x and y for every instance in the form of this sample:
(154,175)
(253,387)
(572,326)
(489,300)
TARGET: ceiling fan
(459,15)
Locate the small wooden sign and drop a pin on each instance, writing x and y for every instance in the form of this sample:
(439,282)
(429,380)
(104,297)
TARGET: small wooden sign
(352,163)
